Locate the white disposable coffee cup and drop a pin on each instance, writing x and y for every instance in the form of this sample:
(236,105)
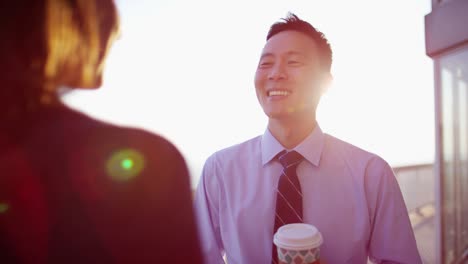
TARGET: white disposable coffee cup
(298,243)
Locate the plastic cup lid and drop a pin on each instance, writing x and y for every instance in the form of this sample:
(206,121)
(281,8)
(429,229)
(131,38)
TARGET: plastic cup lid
(298,236)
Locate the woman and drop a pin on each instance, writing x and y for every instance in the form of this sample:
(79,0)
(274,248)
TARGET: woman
(74,189)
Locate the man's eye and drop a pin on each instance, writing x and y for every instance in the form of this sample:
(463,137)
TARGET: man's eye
(292,62)
(266,64)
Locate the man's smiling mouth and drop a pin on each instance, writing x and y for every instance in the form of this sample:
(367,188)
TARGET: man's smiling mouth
(278,93)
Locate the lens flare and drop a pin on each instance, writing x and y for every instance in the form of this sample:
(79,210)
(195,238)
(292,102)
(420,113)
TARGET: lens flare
(125,164)
(4,207)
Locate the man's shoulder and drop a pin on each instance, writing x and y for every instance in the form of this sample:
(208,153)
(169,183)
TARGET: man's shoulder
(349,151)
(246,149)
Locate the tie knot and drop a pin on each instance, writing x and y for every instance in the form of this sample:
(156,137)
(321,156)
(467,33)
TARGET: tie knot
(288,159)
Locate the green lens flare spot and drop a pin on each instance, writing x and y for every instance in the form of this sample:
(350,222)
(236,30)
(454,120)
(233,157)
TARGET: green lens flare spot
(125,164)
(4,207)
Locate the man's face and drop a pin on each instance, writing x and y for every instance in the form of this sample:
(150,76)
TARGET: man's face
(288,80)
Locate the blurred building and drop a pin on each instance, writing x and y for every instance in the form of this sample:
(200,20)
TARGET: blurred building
(447,44)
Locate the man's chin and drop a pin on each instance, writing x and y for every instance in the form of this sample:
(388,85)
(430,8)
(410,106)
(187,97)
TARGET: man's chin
(279,115)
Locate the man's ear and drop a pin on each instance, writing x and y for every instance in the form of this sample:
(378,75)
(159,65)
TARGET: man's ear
(327,80)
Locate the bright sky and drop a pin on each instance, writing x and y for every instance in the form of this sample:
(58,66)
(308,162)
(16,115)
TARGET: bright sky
(184,69)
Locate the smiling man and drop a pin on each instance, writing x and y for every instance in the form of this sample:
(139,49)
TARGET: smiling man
(350,195)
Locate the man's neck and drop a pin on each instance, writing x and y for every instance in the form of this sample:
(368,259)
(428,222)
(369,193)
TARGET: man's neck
(291,132)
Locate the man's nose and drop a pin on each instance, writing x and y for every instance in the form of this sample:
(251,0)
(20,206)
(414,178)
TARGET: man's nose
(277,72)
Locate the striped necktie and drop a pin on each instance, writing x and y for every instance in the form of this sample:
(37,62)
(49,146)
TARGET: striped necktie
(289,194)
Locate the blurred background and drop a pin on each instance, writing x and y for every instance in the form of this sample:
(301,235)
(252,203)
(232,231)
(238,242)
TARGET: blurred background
(184,69)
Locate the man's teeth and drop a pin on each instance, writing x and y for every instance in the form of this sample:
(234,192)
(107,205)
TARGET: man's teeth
(275,93)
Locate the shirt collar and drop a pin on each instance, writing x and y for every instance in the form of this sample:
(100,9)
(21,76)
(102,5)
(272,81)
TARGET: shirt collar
(310,148)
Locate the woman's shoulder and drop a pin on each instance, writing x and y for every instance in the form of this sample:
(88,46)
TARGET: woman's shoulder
(90,130)
(100,134)
(66,133)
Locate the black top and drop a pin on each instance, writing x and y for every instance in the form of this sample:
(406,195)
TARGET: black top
(77,190)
